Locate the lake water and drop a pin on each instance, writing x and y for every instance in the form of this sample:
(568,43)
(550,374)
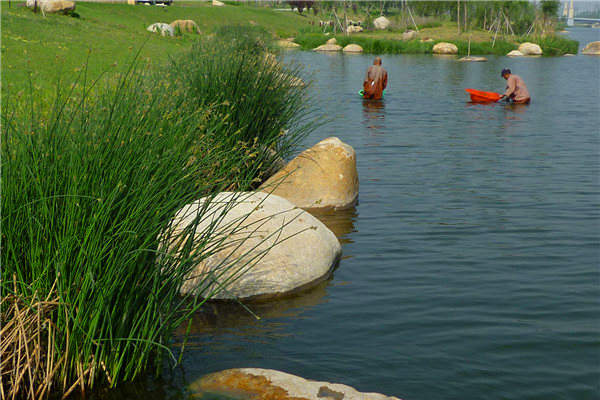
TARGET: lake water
(471,263)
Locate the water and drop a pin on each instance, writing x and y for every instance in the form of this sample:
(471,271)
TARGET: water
(471,264)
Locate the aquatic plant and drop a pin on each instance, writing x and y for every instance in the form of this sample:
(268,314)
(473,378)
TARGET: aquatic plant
(90,185)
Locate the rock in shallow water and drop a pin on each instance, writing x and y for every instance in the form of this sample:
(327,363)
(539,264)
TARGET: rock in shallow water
(323,176)
(592,49)
(268,384)
(260,246)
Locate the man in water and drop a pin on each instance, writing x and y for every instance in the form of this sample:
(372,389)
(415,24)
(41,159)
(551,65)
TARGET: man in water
(515,88)
(375,81)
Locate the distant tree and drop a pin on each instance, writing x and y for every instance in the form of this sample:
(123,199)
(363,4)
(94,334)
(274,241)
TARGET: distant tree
(550,8)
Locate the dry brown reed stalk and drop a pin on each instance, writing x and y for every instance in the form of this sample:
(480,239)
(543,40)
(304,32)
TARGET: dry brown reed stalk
(27,362)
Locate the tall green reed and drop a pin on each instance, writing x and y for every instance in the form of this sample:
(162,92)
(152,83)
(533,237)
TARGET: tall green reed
(90,186)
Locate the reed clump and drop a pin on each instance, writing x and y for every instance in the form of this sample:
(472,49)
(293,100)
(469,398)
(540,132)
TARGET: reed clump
(89,188)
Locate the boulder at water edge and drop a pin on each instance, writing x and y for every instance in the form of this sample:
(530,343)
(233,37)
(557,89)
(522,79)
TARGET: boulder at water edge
(328,47)
(162,28)
(353,48)
(267,384)
(331,41)
(530,49)
(323,176)
(592,49)
(410,35)
(258,246)
(381,23)
(515,53)
(287,44)
(185,25)
(445,48)
(51,6)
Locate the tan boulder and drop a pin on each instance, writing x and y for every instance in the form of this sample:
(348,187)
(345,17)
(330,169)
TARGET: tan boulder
(332,41)
(323,176)
(286,44)
(328,47)
(217,3)
(381,23)
(254,246)
(592,49)
(410,35)
(530,49)
(445,48)
(185,25)
(354,29)
(515,53)
(353,48)
(257,383)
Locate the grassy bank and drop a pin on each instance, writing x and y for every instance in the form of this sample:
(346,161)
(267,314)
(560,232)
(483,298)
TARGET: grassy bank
(89,185)
(386,43)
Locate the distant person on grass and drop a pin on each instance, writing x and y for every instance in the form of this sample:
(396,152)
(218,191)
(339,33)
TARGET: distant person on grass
(375,81)
(516,90)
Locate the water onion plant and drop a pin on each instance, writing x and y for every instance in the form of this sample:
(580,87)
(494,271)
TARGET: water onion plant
(89,187)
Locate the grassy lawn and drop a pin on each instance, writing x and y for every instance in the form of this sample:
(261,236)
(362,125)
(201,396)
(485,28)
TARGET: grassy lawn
(111,34)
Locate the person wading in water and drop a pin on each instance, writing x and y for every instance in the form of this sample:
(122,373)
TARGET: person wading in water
(375,81)
(516,90)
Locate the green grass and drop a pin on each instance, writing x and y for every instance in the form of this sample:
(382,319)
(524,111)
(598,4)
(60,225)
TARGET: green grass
(90,185)
(107,35)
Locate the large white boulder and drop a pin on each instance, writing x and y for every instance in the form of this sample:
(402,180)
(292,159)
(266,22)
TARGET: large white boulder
(258,383)
(217,3)
(353,48)
(51,6)
(592,49)
(381,23)
(445,48)
(530,49)
(322,177)
(162,28)
(256,246)
(328,47)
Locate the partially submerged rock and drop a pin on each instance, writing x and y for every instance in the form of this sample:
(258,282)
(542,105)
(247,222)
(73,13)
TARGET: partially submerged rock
(162,28)
(515,53)
(445,48)
(328,47)
(323,176)
(268,384)
(185,25)
(472,59)
(353,48)
(530,49)
(51,6)
(381,23)
(257,246)
(592,49)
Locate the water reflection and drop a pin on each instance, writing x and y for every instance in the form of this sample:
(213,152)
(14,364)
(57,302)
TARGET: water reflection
(374,114)
(341,222)
(250,321)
